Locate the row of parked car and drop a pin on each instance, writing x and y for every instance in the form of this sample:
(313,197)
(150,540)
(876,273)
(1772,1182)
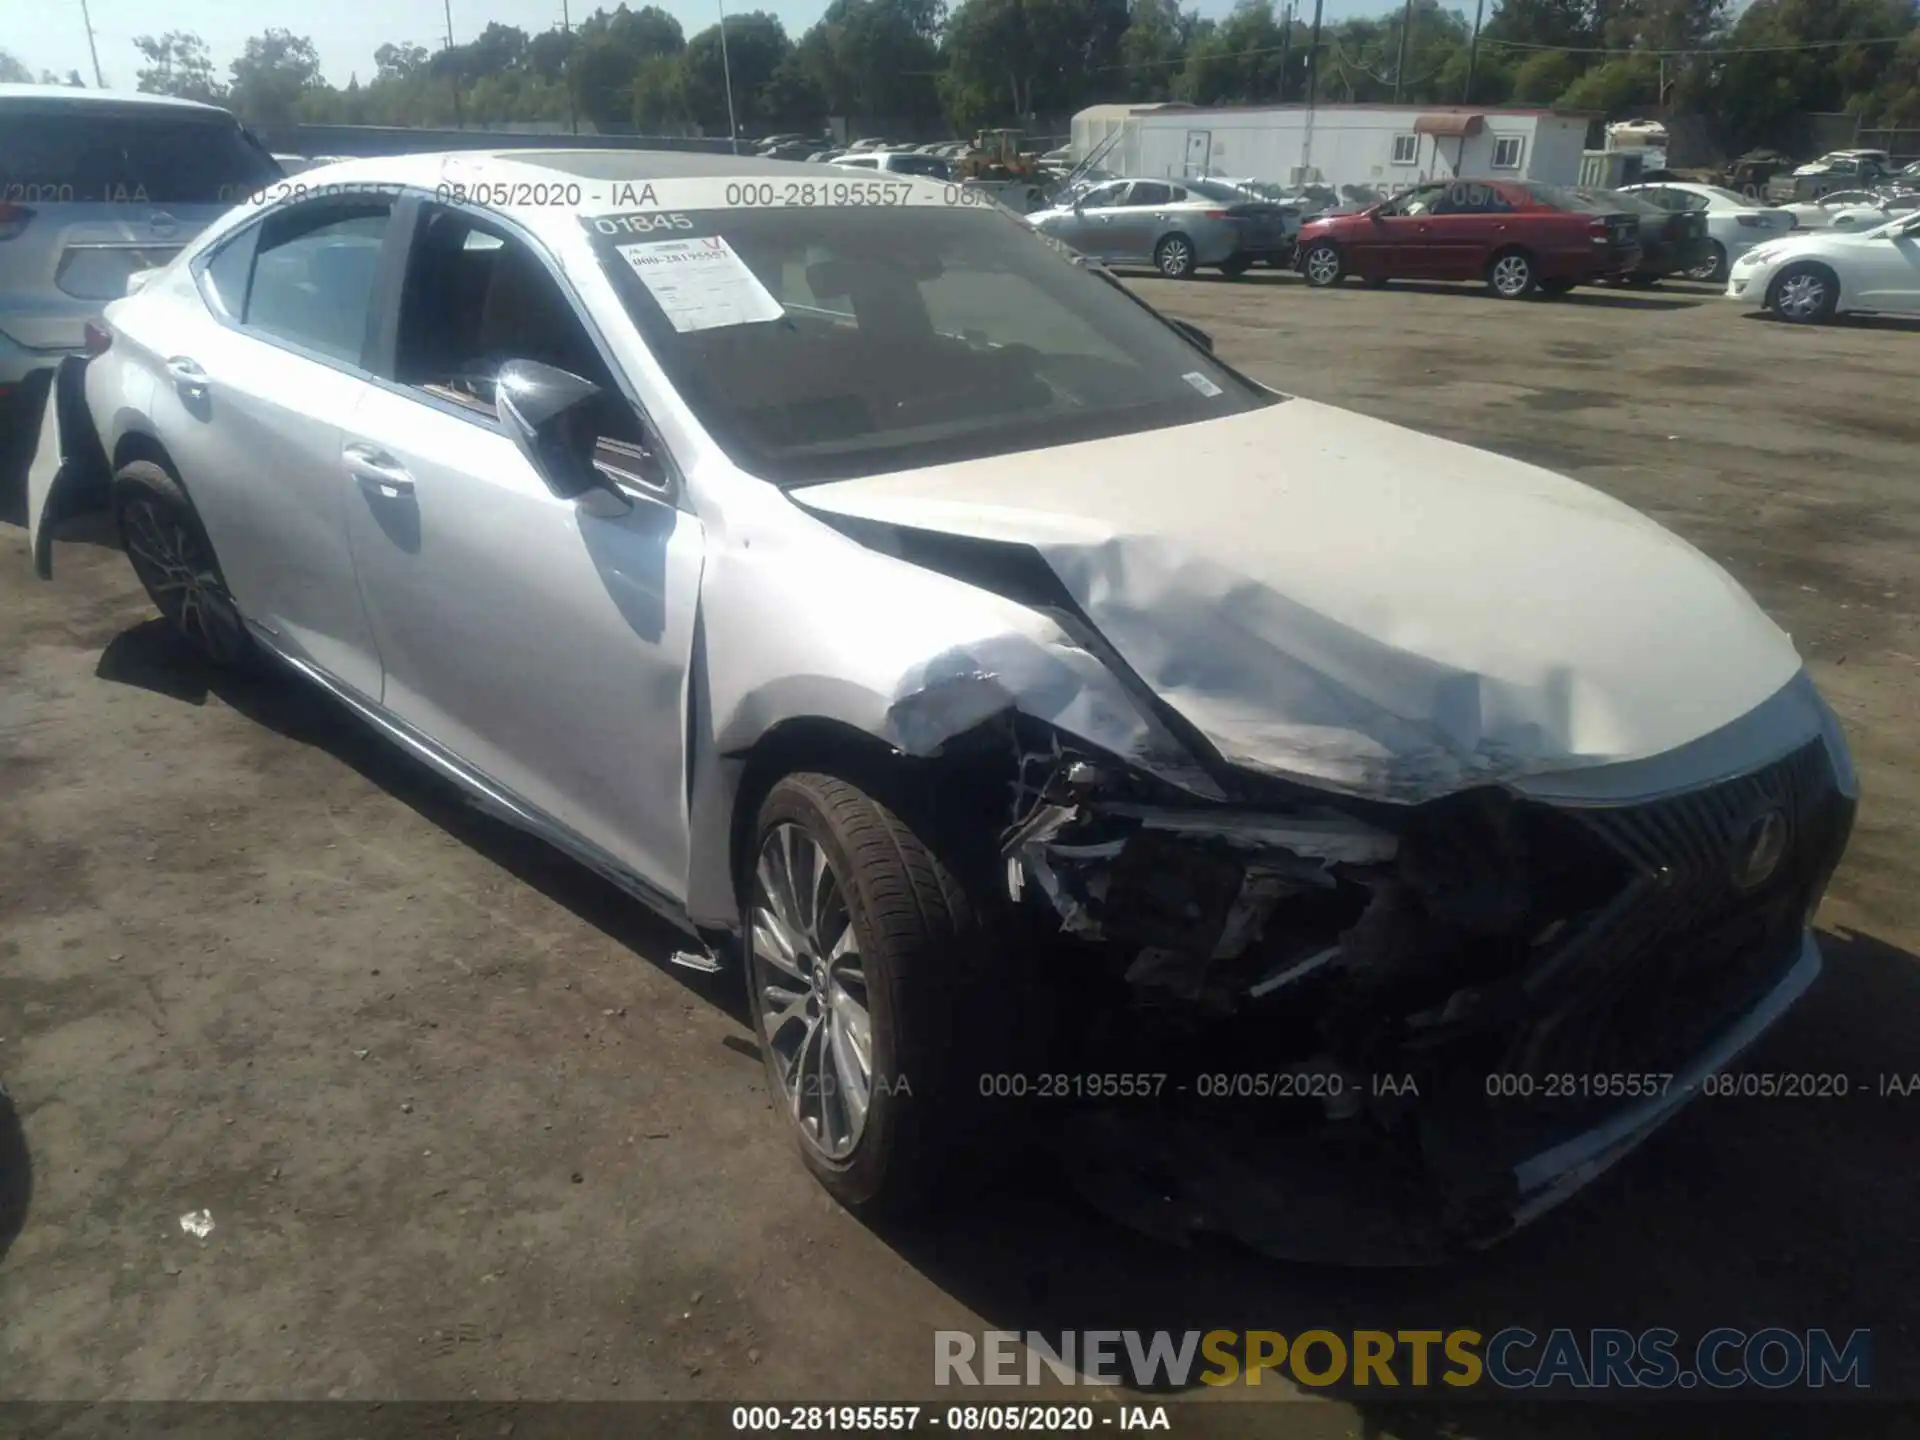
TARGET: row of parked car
(1521,238)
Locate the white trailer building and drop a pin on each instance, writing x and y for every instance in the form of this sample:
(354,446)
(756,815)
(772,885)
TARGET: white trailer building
(1363,147)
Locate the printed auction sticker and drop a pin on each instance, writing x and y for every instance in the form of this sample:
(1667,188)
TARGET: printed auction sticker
(701,283)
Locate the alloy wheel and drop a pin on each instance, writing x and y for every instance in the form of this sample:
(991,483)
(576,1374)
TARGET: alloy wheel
(1801,296)
(1512,274)
(812,987)
(183,581)
(1323,266)
(1175,258)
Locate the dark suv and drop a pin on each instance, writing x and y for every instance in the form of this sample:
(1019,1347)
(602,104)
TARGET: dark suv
(95,186)
(1519,236)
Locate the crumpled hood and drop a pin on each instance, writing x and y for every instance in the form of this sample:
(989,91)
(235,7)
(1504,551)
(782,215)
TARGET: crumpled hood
(1352,603)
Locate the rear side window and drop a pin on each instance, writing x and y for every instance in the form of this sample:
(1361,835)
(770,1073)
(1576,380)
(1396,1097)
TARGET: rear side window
(313,277)
(75,154)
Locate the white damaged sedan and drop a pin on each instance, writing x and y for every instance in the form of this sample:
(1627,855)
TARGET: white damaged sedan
(1322,833)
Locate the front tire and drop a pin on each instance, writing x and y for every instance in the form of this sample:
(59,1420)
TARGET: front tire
(1323,265)
(1804,294)
(864,957)
(174,559)
(1173,257)
(1512,275)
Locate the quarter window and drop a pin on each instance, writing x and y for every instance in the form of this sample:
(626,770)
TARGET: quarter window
(313,278)
(1406,149)
(1506,153)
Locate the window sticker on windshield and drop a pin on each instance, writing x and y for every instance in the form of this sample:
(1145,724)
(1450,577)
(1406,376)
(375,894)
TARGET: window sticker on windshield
(701,283)
(1201,383)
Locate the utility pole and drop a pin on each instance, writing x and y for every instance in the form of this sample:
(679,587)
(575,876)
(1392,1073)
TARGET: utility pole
(726,72)
(453,69)
(1313,53)
(1286,48)
(1473,51)
(566,70)
(92,47)
(1400,65)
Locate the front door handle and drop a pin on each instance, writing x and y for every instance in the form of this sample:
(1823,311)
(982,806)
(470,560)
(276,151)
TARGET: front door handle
(376,470)
(188,376)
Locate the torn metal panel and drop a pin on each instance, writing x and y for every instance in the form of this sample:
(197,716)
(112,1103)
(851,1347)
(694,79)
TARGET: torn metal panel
(1335,599)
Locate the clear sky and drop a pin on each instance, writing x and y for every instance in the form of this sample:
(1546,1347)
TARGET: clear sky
(51,35)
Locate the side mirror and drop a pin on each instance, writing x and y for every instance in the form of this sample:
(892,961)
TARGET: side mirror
(546,411)
(1194,333)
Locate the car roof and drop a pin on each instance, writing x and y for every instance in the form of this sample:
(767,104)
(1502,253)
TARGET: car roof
(42,95)
(597,172)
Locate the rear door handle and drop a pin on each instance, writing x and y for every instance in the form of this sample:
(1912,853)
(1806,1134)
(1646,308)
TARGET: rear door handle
(376,470)
(187,374)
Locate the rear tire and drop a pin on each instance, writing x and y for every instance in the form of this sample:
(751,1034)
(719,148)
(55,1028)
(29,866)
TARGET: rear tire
(1712,269)
(174,559)
(1804,294)
(1173,257)
(878,956)
(1323,265)
(1512,275)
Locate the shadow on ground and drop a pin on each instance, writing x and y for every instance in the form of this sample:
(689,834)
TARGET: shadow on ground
(1743,1212)
(16,1175)
(151,657)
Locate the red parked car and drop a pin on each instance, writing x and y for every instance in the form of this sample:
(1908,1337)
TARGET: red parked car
(1519,236)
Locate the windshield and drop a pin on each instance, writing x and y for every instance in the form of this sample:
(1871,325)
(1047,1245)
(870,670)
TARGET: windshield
(82,153)
(822,342)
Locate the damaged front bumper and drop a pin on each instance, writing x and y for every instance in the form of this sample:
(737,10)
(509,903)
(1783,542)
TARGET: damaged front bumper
(1390,1038)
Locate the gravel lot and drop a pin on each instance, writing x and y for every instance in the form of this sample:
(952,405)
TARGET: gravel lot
(461,1133)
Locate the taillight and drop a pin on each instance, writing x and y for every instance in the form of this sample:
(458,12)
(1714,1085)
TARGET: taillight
(13,219)
(1597,227)
(98,338)
(1215,214)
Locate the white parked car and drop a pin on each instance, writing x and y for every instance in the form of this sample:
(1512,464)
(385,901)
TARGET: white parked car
(1735,224)
(1006,686)
(1810,278)
(1850,210)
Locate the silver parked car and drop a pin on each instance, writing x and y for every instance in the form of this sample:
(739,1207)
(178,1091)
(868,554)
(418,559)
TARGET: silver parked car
(1148,222)
(94,186)
(1032,707)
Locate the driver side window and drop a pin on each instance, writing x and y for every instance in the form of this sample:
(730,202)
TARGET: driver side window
(1103,197)
(475,297)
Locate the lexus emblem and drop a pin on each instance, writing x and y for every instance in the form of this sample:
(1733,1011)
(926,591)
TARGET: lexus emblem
(1760,849)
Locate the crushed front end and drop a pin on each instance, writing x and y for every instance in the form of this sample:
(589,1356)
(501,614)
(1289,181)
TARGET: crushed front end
(1375,1034)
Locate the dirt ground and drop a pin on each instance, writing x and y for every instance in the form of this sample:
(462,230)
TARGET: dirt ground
(461,1132)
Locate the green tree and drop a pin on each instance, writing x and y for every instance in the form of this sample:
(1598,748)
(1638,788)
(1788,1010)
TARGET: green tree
(1153,48)
(757,43)
(1014,58)
(1543,77)
(177,63)
(872,59)
(274,74)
